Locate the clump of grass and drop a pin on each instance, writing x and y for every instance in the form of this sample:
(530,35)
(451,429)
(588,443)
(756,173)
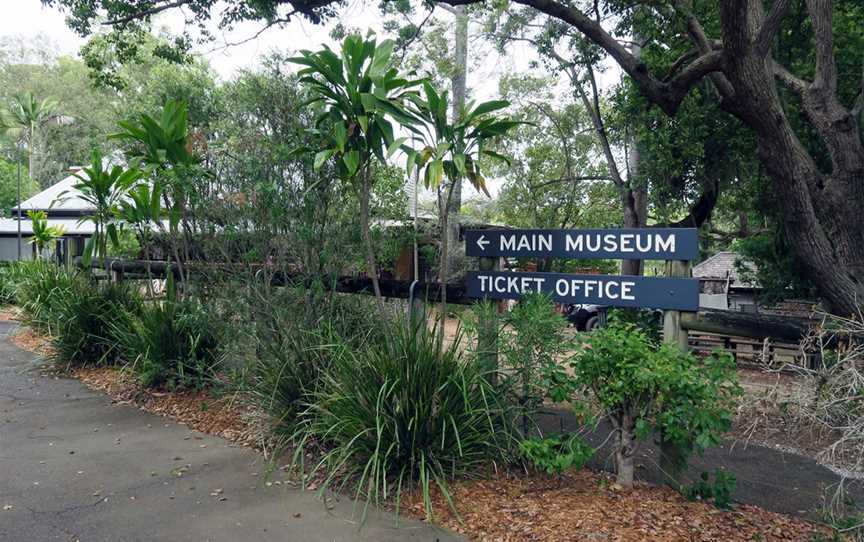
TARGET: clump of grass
(170,343)
(297,333)
(85,321)
(41,289)
(400,411)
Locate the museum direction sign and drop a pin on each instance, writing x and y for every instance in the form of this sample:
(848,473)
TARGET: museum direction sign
(613,291)
(613,243)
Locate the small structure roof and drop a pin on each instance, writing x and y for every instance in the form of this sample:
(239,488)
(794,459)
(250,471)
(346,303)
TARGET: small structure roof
(721,266)
(60,196)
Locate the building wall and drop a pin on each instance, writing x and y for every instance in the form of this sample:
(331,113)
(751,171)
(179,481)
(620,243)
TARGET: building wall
(713,301)
(9,250)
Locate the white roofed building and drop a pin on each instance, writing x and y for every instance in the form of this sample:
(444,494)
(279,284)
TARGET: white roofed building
(64,207)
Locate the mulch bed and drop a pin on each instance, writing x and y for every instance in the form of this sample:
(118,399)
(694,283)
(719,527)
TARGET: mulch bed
(587,506)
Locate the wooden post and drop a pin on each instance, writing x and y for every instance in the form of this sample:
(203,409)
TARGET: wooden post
(487,332)
(673,333)
(672,458)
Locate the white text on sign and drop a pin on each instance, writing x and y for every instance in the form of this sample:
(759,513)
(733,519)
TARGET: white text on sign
(612,288)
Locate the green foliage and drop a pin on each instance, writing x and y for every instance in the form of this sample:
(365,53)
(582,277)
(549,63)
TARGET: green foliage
(404,410)
(531,342)
(104,187)
(171,343)
(719,491)
(43,234)
(9,185)
(618,366)
(556,454)
(112,58)
(649,321)
(553,182)
(85,319)
(13,276)
(644,387)
(455,148)
(773,267)
(695,400)
(360,92)
(296,334)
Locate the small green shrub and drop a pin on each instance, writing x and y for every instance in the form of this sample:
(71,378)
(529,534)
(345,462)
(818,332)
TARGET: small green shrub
(644,388)
(556,454)
(403,410)
(531,341)
(719,491)
(85,318)
(170,344)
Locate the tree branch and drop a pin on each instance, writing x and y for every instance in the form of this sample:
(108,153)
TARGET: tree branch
(575,179)
(790,80)
(705,46)
(770,26)
(667,96)
(144,13)
(701,210)
(821,16)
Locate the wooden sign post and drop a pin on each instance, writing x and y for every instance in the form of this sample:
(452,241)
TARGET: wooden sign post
(672,458)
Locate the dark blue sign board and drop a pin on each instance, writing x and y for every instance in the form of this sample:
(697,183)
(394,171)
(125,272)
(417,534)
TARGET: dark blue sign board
(611,291)
(613,243)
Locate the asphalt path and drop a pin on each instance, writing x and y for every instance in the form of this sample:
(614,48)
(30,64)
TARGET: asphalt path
(74,466)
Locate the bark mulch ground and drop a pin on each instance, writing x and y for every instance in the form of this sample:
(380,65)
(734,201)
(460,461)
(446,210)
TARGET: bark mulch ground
(586,506)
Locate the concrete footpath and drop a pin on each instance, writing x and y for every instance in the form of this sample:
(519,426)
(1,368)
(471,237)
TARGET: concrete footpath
(75,467)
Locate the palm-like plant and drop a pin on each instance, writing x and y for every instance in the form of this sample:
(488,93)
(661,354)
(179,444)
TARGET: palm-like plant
(104,187)
(452,153)
(42,232)
(142,209)
(162,146)
(361,95)
(28,113)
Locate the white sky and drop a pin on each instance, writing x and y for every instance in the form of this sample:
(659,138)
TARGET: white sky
(28,18)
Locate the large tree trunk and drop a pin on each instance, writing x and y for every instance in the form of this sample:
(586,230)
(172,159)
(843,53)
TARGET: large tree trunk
(820,212)
(636,195)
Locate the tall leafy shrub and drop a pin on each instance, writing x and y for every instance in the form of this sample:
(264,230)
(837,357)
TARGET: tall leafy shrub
(404,410)
(643,387)
(532,345)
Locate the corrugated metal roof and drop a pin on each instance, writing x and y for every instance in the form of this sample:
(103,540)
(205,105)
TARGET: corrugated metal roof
(721,266)
(58,197)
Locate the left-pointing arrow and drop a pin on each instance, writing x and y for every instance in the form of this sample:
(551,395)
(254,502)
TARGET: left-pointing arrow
(482,242)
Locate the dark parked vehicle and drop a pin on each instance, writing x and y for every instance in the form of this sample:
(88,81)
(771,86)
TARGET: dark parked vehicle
(583,317)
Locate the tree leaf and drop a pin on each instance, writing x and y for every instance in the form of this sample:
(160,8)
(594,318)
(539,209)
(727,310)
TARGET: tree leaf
(352,162)
(321,157)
